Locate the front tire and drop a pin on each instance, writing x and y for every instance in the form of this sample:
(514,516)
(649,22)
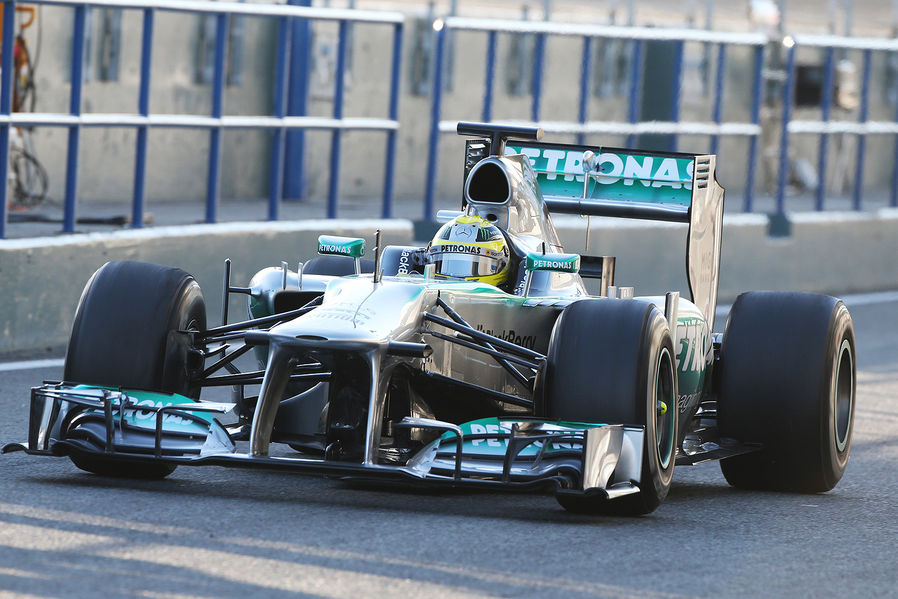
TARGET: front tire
(612,361)
(788,377)
(120,338)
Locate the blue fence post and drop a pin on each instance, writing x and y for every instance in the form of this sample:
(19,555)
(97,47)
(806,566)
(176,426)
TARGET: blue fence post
(436,104)
(395,83)
(276,167)
(539,52)
(635,88)
(490,74)
(337,134)
(9,18)
(788,100)
(585,72)
(717,111)
(757,92)
(862,137)
(894,199)
(71,168)
(213,184)
(678,85)
(297,104)
(143,108)
(826,111)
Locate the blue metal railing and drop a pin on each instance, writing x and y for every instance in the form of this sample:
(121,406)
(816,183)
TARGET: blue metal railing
(716,128)
(788,102)
(217,122)
(281,121)
(6,68)
(143,108)
(825,126)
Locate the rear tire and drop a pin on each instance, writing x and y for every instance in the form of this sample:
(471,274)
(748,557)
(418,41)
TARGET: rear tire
(611,361)
(120,338)
(787,381)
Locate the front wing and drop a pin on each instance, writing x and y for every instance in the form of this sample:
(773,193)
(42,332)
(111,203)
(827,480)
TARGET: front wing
(496,453)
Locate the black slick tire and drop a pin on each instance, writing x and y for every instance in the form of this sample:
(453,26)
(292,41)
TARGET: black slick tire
(787,381)
(612,361)
(120,338)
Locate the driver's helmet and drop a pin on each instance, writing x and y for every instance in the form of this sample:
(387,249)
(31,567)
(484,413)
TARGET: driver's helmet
(470,248)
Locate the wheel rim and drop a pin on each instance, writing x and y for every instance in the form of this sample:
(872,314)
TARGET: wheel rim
(843,395)
(664,418)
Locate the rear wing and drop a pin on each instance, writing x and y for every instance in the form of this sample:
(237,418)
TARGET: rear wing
(608,182)
(624,183)
(612,182)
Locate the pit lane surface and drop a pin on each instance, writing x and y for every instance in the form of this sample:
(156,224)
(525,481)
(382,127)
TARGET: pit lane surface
(215,532)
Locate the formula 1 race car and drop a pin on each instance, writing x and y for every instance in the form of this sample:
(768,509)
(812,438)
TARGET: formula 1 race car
(478,360)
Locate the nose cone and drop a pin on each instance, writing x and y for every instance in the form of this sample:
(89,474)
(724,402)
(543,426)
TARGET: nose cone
(357,309)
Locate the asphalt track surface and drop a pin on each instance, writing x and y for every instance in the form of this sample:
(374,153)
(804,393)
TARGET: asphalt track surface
(215,532)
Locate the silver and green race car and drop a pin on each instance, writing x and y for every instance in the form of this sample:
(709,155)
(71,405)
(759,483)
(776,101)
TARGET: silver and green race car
(385,370)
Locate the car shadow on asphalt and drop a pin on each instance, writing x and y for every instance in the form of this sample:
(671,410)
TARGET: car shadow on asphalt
(258,488)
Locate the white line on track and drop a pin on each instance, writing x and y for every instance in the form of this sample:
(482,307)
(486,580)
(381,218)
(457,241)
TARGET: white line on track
(31,364)
(856,299)
(851,300)
(865,299)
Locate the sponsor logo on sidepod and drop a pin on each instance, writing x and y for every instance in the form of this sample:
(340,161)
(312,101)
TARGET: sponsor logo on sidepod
(694,349)
(527,341)
(693,343)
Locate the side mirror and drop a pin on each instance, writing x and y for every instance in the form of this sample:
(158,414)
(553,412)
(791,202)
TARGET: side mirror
(569,263)
(352,247)
(554,262)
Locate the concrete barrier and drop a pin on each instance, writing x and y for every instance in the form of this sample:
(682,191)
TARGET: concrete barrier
(828,252)
(41,279)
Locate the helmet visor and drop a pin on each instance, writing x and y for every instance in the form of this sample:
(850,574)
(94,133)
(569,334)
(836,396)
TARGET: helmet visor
(463,266)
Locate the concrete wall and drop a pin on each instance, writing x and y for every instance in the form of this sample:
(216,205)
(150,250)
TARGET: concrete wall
(41,279)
